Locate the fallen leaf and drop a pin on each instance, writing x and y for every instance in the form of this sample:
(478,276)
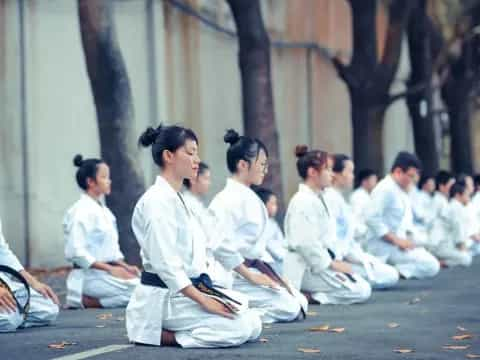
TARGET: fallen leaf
(104,316)
(319,328)
(337,330)
(308,351)
(120,319)
(462,337)
(263,340)
(403,351)
(455,347)
(100,326)
(311,313)
(414,301)
(472,356)
(459,328)
(61,345)
(393,325)
(267,326)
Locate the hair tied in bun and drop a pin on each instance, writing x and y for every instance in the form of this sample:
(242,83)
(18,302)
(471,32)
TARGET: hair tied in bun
(300,150)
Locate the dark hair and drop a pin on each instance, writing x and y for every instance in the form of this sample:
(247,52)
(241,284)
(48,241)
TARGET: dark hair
(424,179)
(263,193)
(405,160)
(202,168)
(241,148)
(339,161)
(462,178)
(476,180)
(442,178)
(165,137)
(306,159)
(86,169)
(457,188)
(363,175)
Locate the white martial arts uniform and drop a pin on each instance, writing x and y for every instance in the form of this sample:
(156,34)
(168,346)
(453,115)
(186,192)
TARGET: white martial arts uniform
(423,215)
(451,230)
(391,212)
(91,235)
(276,244)
(164,229)
(360,201)
(375,271)
(42,311)
(475,205)
(246,217)
(310,229)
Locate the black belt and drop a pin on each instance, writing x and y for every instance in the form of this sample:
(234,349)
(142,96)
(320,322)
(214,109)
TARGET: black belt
(203,283)
(22,309)
(333,256)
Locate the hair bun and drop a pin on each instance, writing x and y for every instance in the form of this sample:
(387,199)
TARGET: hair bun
(149,136)
(300,150)
(231,137)
(78,160)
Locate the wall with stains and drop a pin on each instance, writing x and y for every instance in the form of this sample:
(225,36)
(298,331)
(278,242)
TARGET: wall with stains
(180,71)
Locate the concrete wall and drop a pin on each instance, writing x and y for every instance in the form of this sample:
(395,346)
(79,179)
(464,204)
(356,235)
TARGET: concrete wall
(180,71)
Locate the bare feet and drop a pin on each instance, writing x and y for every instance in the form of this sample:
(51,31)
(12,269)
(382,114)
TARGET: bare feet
(90,302)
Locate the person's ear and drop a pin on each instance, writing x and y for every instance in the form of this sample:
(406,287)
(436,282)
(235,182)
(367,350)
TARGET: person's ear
(243,165)
(91,182)
(167,156)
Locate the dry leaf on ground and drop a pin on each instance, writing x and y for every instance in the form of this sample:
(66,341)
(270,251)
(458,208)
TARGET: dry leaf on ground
(263,340)
(311,313)
(319,328)
(61,345)
(455,347)
(403,351)
(460,328)
(309,351)
(393,325)
(104,316)
(462,337)
(472,356)
(100,326)
(337,330)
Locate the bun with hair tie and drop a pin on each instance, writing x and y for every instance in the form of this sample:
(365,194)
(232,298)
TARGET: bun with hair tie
(300,150)
(78,160)
(231,137)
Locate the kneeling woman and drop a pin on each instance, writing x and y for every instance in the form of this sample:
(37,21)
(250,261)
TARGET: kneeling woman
(310,229)
(100,277)
(173,304)
(245,216)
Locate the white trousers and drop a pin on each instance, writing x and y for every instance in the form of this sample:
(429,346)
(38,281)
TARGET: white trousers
(110,291)
(332,287)
(416,263)
(452,256)
(152,309)
(273,305)
(377,273)
(42,311)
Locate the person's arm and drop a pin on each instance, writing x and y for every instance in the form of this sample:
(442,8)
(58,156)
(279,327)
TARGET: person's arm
(160,238)
(42,288)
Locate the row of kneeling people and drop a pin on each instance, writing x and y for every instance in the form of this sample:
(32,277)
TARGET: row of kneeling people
(212,275)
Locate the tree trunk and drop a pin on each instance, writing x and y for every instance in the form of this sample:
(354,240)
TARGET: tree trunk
(367,122)
(369,79)
(113,101)
(421,61)
(257,97)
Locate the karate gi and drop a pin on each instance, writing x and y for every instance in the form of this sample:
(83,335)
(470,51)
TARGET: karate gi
(42,311)
(91,235)
(164,229)
(375,271)
(391,212)
(246,217)
(450,229)
(360,202)
(310,229)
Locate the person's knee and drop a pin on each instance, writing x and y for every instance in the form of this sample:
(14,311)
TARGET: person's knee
(363,291)
(466,260)
(10,322)
(430,266)
(388,278)
(290,307)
